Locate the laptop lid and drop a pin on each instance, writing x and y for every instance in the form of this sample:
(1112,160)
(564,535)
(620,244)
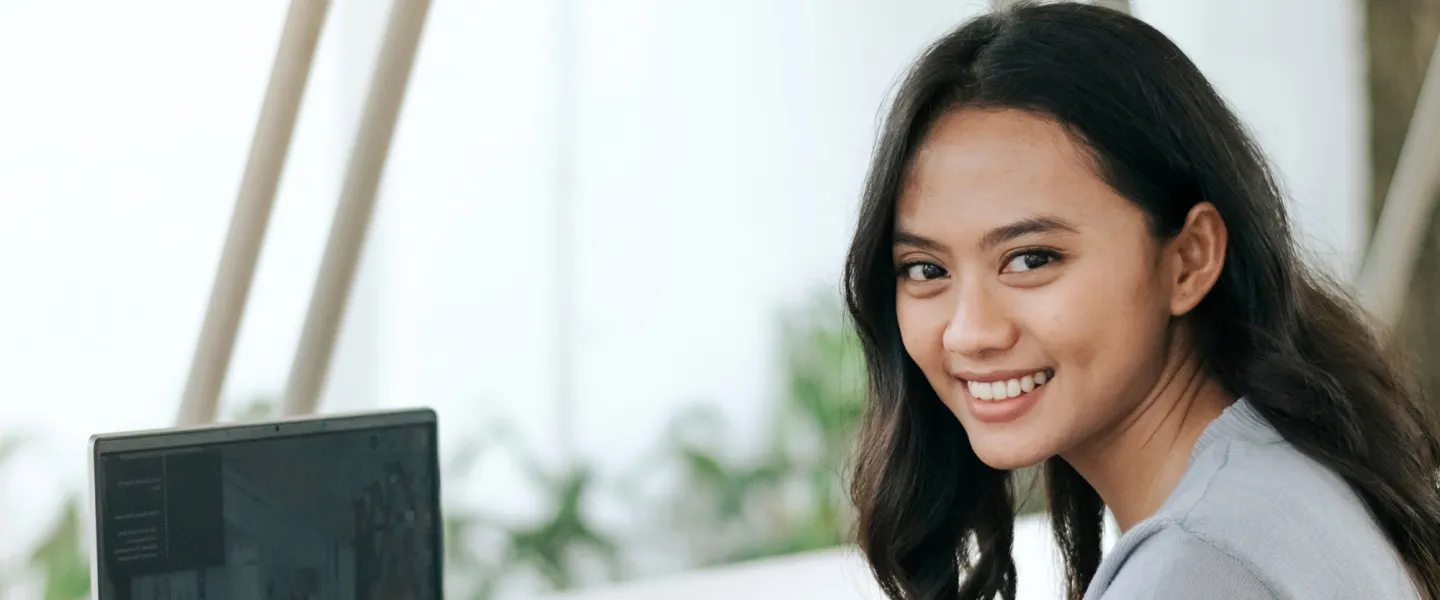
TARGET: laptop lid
(334,507)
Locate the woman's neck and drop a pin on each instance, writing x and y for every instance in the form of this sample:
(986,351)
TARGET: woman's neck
(1137,464)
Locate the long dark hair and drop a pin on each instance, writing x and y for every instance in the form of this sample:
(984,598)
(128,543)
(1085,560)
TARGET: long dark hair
(934,521)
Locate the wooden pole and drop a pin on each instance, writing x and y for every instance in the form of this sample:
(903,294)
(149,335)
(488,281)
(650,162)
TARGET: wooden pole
(1409,204)
(357,203)
(268,149)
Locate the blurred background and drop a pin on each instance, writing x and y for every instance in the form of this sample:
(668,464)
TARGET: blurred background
(673,179)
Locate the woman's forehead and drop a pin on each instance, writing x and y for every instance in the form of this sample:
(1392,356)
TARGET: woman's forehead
(983,168)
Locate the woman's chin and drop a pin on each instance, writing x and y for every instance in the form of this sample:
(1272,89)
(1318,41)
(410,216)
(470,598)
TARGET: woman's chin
(1007,457)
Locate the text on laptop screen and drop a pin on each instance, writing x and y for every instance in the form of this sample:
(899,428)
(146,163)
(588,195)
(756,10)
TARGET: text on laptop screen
(337,515)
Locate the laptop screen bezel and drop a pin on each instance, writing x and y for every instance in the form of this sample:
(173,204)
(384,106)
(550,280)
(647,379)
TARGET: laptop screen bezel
(144,442)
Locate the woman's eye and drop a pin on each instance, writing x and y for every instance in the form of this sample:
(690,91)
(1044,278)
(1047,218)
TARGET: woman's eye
(1029,260)
(921,271)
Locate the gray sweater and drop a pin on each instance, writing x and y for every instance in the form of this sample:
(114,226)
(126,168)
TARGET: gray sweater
(1254,518)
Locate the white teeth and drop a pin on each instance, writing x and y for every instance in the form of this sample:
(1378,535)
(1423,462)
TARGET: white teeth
(1009,388)
(979,390)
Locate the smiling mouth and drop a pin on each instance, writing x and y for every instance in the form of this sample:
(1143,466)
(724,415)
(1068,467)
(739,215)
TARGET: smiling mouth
(1006,389)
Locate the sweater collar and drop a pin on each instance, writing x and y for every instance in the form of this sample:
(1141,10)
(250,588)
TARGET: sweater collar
(1239,421)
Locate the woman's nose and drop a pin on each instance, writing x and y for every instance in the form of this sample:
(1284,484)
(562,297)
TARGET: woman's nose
(980,325)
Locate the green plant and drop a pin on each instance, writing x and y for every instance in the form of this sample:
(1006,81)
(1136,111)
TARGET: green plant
(556,546)
(258,408)
(791,496)
(10,443)
(61,558)
(726,508)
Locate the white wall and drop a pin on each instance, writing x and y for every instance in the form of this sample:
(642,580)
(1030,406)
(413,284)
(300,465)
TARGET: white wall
(123,132)
(1294,70)
(718,152)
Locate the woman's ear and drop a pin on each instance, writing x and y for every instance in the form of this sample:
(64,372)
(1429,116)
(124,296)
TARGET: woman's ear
(1198,255)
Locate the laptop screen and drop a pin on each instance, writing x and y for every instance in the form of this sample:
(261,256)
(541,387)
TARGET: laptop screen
(323,515)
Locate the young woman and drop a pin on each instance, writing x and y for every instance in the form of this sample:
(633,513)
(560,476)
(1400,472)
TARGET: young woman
(1070,252)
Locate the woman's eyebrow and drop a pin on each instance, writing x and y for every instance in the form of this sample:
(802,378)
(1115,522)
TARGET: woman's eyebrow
(994,237)
(1027,226)
(901,237)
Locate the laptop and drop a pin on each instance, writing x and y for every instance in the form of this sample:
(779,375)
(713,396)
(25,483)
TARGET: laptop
(317,508)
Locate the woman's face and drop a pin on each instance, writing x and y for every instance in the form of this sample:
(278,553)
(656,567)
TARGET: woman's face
(1031,294)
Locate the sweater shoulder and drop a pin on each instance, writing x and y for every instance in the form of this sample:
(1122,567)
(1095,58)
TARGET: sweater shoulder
(1292,524)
